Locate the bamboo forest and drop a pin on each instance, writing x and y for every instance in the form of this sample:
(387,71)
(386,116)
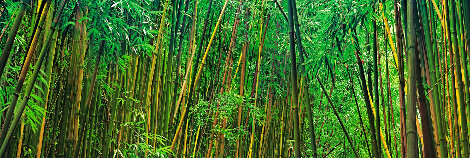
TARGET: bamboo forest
(234,78)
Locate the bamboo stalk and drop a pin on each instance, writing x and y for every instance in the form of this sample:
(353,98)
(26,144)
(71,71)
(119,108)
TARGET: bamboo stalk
(10,40)
(339,119)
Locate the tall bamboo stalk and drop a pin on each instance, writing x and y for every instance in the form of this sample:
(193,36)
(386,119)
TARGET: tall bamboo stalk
(458,75)
(411,132)
(11,39)
(367,101)
(339,119)
(295,91)
(8,131)
(442,145)
(305,81)
(401,77)
(376,88)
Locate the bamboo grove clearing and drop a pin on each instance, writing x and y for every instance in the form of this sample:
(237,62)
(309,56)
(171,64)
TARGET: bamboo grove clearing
(234,78)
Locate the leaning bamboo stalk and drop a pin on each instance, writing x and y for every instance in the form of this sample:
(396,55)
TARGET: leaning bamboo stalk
(192,48)
(10,128)
(390,40)
(195,142)
(49,73)
(359,112)
(210,43)
(188,65)
(381,135)
(20,141)
(200,69)
(185,139)
(339,119)
(33,78)
(24,70)
(11,39)
(366,97)
(4,29)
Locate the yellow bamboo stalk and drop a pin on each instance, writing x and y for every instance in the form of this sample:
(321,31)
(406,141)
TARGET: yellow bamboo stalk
(252,137)
(41,132)
(390,39)
(450,127)
(188,66)
(81,49)
(264,125)
(238,66)
(202,63)
(152,69)
(185,139)
(210,43)
(39,4)
(436,8)
(20,141)
(195,143)
(282,131)
(382,138)
(181,94)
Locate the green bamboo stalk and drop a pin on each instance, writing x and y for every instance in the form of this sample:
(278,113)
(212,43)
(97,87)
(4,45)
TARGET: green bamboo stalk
(28,90)
(463,55)
(339,119)
(434,91)
(353,93)
(366,97)
(193,76)
(295,91)
(308,106)
(458,73)
(401,77)
(376,89)
(411,131)
(11,39)
(10,128)
(88,107)
(466,18)
(3,61)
